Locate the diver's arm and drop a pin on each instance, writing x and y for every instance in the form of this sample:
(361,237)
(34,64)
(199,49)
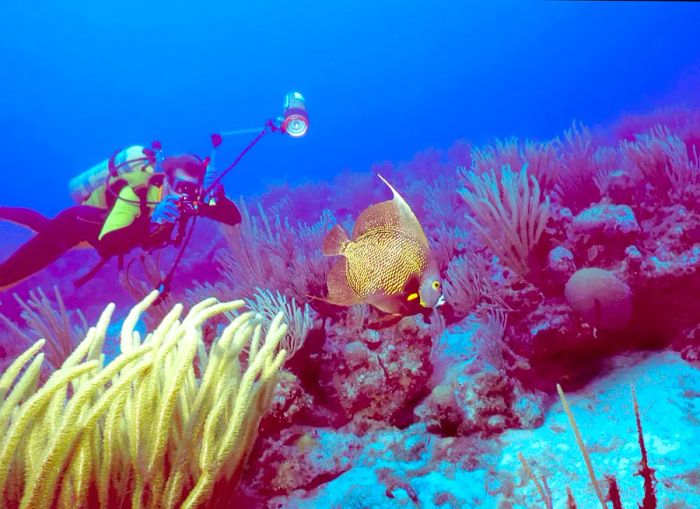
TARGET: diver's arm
(216,205)
(224,211)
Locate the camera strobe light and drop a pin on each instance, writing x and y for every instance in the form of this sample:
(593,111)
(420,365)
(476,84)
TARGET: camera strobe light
(295,118)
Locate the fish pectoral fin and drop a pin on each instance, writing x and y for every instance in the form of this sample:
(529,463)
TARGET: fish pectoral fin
(389,304)
(334,241)
(322,305)
(339,291)
(311,298)
(384,322)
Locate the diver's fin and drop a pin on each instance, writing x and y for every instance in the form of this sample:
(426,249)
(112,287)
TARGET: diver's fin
(13,284)
(22,216)
(334,241)
(339,291)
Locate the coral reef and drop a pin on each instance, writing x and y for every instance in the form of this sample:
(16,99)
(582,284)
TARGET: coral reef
(563,259)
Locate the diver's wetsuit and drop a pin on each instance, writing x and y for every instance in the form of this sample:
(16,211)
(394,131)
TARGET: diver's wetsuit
(110,232)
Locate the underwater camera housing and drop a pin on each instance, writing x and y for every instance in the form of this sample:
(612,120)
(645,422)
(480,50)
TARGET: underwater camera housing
(188,203)
(295,119)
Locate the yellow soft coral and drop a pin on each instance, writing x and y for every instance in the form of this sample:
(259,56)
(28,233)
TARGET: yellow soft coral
(155,428)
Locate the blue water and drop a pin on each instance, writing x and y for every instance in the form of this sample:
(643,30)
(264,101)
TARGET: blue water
(382,79)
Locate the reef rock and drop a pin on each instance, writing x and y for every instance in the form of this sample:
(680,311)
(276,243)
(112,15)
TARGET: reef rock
(606,221)
(381,375)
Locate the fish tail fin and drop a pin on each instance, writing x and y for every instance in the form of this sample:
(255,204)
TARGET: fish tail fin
(339,291)
(334,241)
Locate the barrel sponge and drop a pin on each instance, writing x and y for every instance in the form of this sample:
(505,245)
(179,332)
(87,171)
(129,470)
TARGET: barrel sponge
(600,297)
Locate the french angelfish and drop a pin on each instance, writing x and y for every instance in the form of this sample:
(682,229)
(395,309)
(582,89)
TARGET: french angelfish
(387,263)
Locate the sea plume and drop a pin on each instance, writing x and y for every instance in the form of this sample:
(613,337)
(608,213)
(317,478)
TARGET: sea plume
(166,424)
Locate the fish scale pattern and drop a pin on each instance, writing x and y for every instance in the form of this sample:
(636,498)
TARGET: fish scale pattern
(382,260)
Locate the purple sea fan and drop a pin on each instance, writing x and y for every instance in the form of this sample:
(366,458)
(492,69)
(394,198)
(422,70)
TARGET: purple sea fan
(286,257)
(447,242)
(663,159)
(576,187)
(425,165)
(467,283)
(441,203)
(682,121)
(541,158)
(460,154)
(354,192)
(304,202)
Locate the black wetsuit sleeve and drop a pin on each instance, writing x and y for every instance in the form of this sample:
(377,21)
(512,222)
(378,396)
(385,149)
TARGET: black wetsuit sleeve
(225,211)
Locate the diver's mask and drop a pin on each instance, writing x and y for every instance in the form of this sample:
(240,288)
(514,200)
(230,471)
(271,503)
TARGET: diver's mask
(186,187)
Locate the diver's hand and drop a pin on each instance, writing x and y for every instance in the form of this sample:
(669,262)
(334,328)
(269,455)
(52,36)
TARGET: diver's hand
(210,176)
(167,210)
(215,195)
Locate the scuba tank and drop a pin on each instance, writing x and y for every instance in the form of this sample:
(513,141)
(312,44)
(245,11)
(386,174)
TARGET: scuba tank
(132,159)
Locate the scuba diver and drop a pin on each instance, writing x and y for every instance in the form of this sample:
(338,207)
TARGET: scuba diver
(135,206)
(138,199)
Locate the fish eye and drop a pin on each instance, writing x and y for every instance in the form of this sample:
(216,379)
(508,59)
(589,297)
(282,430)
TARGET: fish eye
(436,285)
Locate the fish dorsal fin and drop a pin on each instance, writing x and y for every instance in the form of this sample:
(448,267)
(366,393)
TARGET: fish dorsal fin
(383,215)
(398,199)
(393,214)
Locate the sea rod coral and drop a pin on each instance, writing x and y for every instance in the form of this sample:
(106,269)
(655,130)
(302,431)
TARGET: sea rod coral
(165,424)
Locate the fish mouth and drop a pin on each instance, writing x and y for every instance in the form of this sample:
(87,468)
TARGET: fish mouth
(440,301)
